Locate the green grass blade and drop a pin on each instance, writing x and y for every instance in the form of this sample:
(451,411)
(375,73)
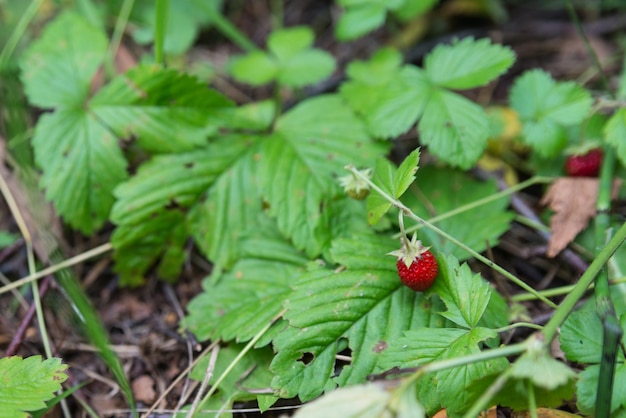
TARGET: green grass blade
(93,328)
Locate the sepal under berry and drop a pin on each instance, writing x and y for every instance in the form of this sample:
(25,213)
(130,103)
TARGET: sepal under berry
(355,186)
(410,251)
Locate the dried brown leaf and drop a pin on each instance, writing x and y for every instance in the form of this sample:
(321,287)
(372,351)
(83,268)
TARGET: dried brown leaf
(573,200)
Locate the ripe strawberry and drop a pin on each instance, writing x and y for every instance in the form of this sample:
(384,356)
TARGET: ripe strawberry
(417,266)
(584,165)
(356,187)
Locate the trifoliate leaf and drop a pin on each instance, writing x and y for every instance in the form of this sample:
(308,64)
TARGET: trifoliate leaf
(389,98)
(82,163)
(361,401)
(365,304)
(166,110)
(454,128)
(391,181)
(466,295)
(420,346)
(477,227)
(151,207)
(299,165)
(249,296)
(291,60)
(57,69)
(26,383)
(615,132)
(545,107)
(467,63)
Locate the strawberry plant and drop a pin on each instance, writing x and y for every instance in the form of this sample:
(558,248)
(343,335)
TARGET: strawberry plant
(298,209)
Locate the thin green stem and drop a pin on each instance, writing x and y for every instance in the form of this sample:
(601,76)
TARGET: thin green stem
(570,301)
(18,32)
(235,361)
(226,28)
(160,30)
(445,235)
(519,325)
(486,200)
(592,53)
(482,402)
(532,400)
(116,38)
(557,291)
(94,252)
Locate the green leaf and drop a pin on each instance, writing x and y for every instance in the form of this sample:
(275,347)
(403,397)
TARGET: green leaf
(420,346)
(232,208)
(361,401)
(250,374)
(476,227)
(287,43)
(466,295)
(410,9)
(26,383)
(391,181)
(454,128)
(379,70)
(248,297)
(307,67)
(291,60)
(542,370)
(358,20)
(587,389)
(515,393)
(545,107)
(388,97)
(151,207)
(167,111)
(82,163)
(615,133)
(58,68)
(365,305)
(581,336)
(299,166)
(467,63)
(256,68)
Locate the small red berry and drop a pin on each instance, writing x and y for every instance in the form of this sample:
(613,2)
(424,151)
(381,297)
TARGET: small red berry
(417,266)
(584,165)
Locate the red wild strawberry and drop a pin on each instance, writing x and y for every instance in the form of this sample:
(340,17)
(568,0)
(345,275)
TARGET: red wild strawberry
(417,266)
(584,165)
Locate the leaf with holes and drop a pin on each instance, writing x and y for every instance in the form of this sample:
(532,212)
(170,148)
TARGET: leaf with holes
(364,308)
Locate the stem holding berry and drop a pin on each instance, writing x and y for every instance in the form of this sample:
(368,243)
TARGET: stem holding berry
(445,235)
